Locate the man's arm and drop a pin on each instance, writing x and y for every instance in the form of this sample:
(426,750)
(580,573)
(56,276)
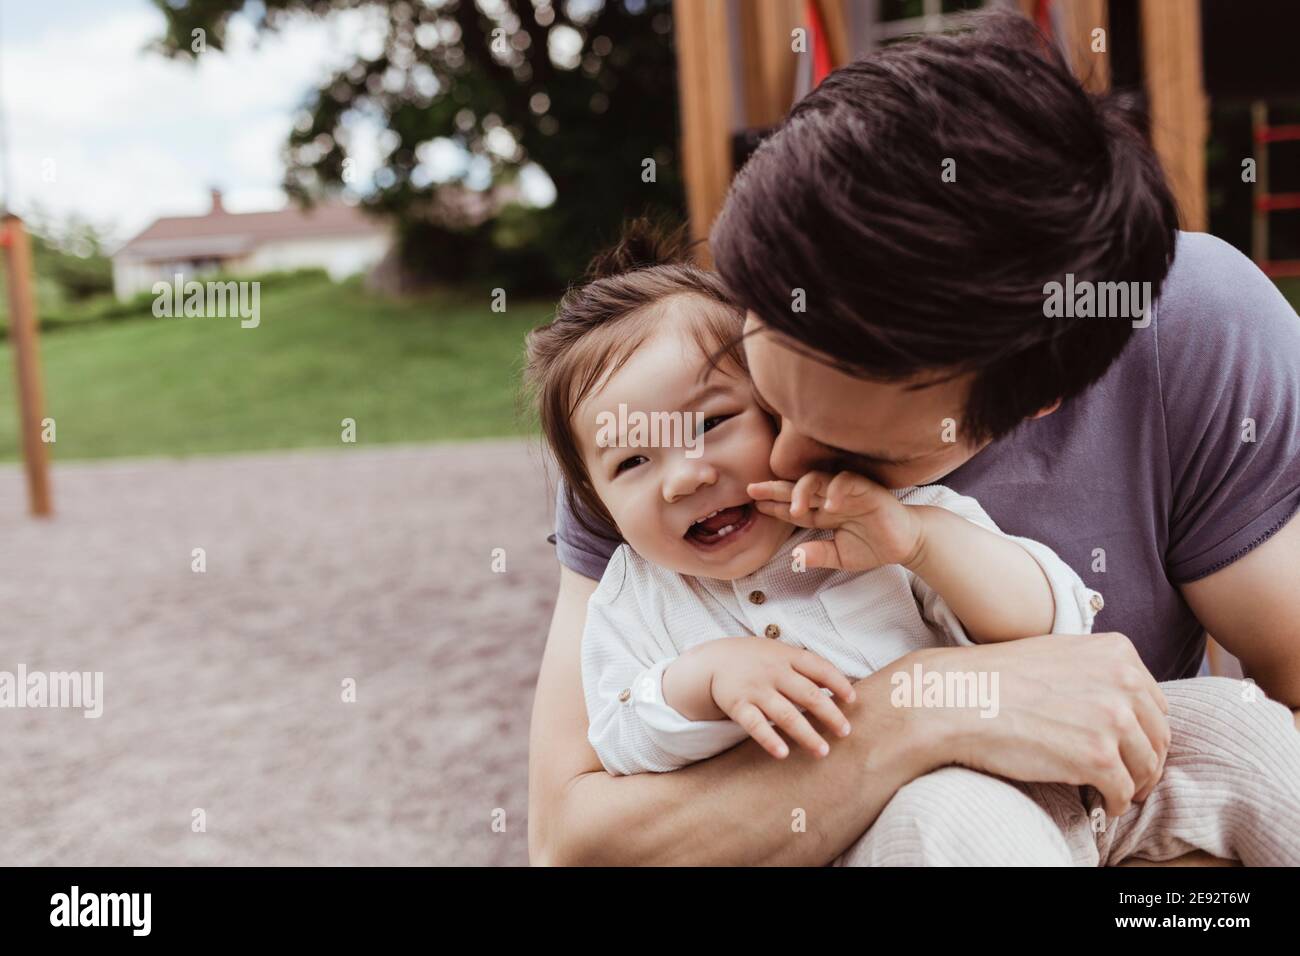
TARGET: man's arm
(1252,607)
(1075,709)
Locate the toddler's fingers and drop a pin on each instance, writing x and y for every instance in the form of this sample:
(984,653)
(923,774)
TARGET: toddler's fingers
(851,492)
(756,725)
(801,690)
(786,716)
(817,554)
(781,510)
(823,672)
(777,509)
(808,493)
(770,490)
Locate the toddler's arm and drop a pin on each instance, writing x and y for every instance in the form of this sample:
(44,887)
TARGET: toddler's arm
(999,587)
(630,725)
(968,574)
(653,709)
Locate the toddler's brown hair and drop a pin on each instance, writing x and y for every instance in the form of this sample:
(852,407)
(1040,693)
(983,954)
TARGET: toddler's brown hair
(600,322)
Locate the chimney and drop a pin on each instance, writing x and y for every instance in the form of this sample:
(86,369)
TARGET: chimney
(217,208)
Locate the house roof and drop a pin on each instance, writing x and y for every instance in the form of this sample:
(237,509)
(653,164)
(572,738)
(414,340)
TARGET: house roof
(221,233)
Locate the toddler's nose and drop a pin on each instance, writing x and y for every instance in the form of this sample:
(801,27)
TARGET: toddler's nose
(686,476)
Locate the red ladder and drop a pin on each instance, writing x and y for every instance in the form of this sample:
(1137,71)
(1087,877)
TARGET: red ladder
(1266,202)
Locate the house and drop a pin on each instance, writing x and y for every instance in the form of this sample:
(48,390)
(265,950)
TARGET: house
(333,236)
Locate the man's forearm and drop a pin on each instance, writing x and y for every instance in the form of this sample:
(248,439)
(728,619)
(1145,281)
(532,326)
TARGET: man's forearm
(744,807)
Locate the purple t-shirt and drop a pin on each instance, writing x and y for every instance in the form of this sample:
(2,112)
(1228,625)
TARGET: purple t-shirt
(1150,479)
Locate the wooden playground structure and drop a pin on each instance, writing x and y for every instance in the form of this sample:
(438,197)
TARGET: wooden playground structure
(736,72)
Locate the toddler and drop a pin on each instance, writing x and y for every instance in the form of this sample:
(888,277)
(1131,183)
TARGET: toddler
(641,388)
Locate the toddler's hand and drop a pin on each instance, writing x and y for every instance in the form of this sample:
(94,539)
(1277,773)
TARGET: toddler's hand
(872,527)
(754,680)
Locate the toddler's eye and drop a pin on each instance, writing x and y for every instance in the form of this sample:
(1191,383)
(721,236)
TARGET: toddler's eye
(627,463)
(712,422)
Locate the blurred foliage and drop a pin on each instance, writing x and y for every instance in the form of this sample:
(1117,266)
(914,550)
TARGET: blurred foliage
(585,89)
(69,262)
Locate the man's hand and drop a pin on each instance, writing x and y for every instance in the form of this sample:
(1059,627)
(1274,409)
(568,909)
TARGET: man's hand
(753,680)
(872,527)
(1076,709)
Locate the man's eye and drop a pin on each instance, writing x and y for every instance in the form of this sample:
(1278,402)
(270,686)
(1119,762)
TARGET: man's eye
(627,463)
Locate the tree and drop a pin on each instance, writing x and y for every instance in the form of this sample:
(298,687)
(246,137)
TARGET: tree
(586,89)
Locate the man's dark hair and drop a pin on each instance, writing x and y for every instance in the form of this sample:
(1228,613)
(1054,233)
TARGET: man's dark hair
(904,273)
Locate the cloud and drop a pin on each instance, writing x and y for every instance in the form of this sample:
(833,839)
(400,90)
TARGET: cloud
(98,126)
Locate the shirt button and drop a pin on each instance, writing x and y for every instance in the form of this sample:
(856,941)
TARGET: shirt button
(624,695)
(772,631)
(1096,602)
(757,597)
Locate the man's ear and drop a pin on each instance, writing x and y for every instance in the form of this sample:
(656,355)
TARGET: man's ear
(1044,412)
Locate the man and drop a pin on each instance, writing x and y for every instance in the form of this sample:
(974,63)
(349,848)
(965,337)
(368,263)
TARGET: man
(902,244)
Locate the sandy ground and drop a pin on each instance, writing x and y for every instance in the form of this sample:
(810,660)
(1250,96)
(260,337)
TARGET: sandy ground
(223,689)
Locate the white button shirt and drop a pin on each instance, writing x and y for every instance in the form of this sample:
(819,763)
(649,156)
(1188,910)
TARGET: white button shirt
(641,617)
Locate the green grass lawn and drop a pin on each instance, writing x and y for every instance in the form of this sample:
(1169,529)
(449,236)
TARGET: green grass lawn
(436,368)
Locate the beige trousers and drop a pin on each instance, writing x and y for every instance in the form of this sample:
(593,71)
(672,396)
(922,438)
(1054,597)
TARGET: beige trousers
(1231,787)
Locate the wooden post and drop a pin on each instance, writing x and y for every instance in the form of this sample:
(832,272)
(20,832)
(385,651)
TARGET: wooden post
(1092,67)
(768,63)
(23,335)
(1171,48)
(836,19)
(703,32)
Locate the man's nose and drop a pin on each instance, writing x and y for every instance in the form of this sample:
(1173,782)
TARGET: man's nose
(794,455)
(685,476)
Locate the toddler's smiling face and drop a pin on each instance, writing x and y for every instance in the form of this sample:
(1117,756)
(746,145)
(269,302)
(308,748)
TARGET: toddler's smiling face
(683,508)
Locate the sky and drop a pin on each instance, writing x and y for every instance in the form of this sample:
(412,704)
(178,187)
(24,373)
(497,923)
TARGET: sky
(97,126)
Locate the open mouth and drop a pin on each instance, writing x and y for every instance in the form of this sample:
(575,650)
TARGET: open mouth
(723,526)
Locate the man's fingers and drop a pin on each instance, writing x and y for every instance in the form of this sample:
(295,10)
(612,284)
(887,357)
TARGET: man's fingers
(1156,727)
(1112,780)
(1141,759)
(1159,697)
(755,723)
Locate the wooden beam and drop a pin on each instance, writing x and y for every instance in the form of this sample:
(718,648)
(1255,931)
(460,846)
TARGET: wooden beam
(1171,53)
(702,31)
(768,62)
(836,18)
(27,364)
(1092,67)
